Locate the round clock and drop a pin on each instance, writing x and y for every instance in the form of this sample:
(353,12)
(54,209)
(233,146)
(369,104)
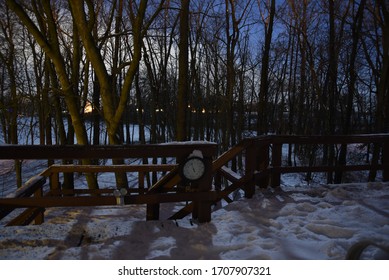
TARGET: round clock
(193,168)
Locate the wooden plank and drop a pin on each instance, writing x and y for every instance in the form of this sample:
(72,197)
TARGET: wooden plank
(202,211)
(46,202)
(28,189)
(26,217)
(54,181)
(261,177)
(229,174)
(177,149)
(152,211)
(39,215)
(57,168)
(226,197)
(276,162)
(227,156)
(250,166)
(385,161)
(322,168)
(330,139)
(263,162)
(141,182)
(73,192)
(227,191)
(185,211)
(168,181)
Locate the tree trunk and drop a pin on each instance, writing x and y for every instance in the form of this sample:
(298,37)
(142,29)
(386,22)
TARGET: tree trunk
(356,31)
(50,44)
(183,61)
(382,115)
(262,124)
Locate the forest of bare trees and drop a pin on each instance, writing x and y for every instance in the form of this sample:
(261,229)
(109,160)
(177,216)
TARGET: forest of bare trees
(192,69)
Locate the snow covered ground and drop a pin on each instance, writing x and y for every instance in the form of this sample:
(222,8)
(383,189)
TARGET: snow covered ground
(310,222)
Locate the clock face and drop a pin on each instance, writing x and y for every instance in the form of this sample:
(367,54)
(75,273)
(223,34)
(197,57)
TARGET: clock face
(193,168)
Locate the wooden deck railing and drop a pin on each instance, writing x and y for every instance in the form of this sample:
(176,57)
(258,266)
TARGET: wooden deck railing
(263,167)
(32,188)
(271,152)
(56,196)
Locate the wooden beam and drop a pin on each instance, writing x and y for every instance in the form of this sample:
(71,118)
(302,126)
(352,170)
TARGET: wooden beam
(58,168)
(385,161)
(185,211)
(168,181)
(300,169)
(329,139)
(276,162)
(28,189)
(46,202)
(229,174)
(26,217)
(178,149)
(227,156)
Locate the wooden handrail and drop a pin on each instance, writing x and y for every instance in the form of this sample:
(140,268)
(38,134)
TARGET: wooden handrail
(176,149)
(31,187)
(323,139)
(61,168)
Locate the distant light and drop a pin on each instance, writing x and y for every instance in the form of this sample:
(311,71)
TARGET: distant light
(88,108)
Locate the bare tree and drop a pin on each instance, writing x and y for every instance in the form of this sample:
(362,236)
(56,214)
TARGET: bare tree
(382,122)
(10,103)
(183,85)
(47,37)
(356,29)
(382,107)
(113,112)
(268,20)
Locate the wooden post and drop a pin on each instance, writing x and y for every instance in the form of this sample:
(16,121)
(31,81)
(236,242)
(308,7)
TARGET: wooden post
(54,181)
(262,155)
(39,219)
(218,181)
(152,212)
(251,159)
(385,162)
(141,180)
(202,209)
(276,162)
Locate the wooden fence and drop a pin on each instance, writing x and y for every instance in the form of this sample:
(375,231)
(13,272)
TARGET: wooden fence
(263,167)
